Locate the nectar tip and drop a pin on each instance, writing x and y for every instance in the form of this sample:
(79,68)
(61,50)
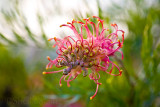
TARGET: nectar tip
(60,85)
(44,73)
(91,98)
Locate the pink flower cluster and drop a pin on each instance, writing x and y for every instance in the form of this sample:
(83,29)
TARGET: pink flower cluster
(83,51)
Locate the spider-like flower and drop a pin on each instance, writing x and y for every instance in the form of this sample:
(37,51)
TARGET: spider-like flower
(80,53)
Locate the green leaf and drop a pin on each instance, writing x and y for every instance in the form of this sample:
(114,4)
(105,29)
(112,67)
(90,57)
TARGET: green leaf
(7,40)
(19,38)
(31,36)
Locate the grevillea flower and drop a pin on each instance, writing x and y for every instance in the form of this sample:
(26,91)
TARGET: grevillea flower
(80,53)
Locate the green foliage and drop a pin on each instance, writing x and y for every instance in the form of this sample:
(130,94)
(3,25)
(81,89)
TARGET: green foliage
(13,77)
(19,38)
(7,40)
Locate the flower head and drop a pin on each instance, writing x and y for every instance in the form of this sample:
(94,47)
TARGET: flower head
(78,54)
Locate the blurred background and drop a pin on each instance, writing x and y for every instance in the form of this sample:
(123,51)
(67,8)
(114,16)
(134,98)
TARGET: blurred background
(25,27)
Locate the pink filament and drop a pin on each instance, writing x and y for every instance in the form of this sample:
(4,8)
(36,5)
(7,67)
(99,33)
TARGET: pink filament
(117,68)
(71,79)
(61,80)
(95,92)
(53,72)
(121,53)
(73,28)
(91,76)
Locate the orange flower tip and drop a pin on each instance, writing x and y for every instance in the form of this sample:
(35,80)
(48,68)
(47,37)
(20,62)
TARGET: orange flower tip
(113,24)
(69,85)
(48,57)
(60,85)
(60,25)
(91,98)
(55,38)
(68,22)
(84,25)
(44,73)
(107,62)
(47,68)
(120,74)
(121,71)
(107,29)
(97,19)
(53,46)
(78,22)
(121,45)
(50,39)
(73,19)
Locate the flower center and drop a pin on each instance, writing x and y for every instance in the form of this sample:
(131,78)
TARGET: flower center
(83,55)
